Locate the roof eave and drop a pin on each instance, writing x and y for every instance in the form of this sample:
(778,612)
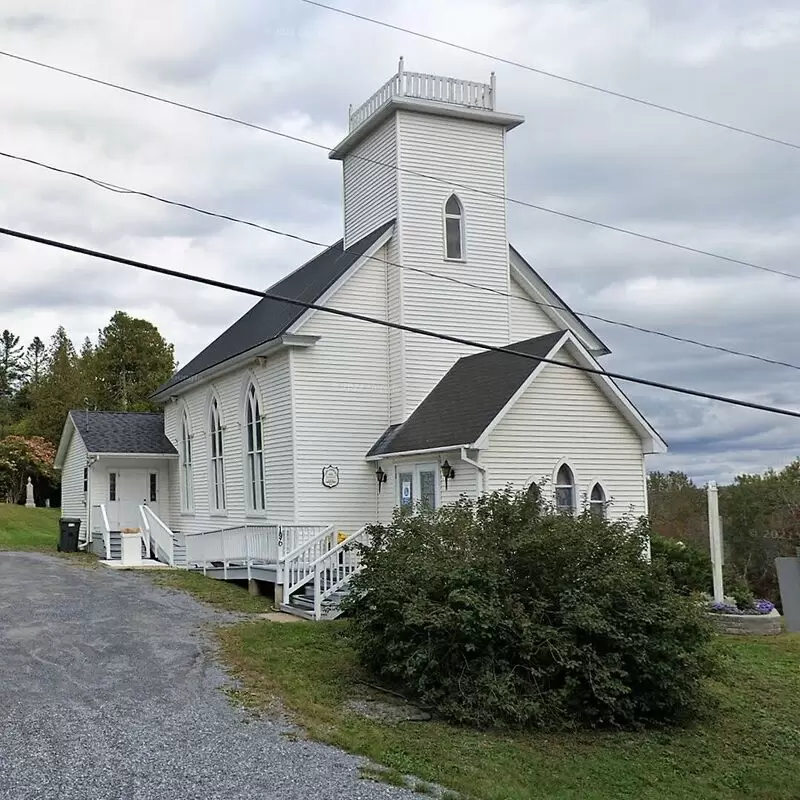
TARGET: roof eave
(652,442)
(70,429)
(399,103)
(98,455)
(423,451)
(552,305)
(231,364)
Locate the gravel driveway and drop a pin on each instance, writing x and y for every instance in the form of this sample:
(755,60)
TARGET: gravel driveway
(108,689)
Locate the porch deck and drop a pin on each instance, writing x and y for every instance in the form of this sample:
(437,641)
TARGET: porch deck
(309,565)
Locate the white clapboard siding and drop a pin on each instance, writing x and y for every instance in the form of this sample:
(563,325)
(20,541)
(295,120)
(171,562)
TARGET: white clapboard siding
(73,500)
(370,189)
(527,319)
(564,415)
(272,380)
(341,402)
(463,152)
(396,338)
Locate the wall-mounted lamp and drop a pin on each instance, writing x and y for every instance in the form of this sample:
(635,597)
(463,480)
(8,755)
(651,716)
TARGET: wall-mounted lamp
(448,473)
(380,477)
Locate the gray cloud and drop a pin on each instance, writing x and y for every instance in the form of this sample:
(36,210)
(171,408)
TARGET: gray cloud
(296,69)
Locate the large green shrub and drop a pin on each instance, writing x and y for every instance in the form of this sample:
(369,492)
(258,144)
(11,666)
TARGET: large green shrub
(687,565)
(494,612)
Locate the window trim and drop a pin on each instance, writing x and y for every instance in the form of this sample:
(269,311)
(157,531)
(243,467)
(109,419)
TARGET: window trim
(461,228)
(255,458)
(216,458)
(185,462)
(573,486)
(601,504)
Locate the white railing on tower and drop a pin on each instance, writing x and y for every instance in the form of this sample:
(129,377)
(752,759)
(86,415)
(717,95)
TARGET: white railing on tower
(334,569)
(105,529)
(157,535)
(422,86)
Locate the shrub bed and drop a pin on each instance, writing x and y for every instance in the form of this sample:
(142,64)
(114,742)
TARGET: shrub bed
(498,612)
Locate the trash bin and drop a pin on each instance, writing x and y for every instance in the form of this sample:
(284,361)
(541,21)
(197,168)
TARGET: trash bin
(68,541)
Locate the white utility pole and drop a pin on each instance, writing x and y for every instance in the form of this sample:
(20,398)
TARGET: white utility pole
(715,540)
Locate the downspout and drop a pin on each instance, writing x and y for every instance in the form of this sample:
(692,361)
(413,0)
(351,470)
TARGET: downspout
(90,462)
(88,501)
(481,470)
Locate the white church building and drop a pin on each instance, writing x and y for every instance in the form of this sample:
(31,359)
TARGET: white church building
(295,428)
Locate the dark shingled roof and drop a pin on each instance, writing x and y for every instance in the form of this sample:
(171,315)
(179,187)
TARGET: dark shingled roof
(461,406)
(122,432)
(269,319)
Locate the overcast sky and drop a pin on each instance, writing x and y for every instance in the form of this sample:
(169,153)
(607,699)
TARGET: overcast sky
(296,68)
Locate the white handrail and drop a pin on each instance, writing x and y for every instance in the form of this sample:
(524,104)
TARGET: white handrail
(250,545)
(335,568)
(296,569)
(145,531)
(106,531)
(162,537)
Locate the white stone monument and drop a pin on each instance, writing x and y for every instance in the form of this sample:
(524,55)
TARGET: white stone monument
(29,502)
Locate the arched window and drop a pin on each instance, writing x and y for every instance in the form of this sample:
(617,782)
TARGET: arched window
(217,459)
(565,490)
(255,452)
(534,494)
(597,501)
(187,493)
(453,229)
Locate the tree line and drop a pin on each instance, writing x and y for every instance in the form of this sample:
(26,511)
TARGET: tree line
(40,382)
(760,520)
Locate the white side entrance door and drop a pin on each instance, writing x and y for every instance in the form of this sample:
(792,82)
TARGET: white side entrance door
(127,490)
(417,483)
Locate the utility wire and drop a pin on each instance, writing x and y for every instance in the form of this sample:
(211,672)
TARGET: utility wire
(384,165)
(574,82)
(112,187)
(29,237)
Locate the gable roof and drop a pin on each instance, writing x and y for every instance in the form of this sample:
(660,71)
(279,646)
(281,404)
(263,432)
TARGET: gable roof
(463,408)
(466,400)
(131,432)
(270,319)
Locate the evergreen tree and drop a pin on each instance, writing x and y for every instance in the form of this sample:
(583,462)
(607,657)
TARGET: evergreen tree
(130,361)
(12,367)
(35,355)
(60,388)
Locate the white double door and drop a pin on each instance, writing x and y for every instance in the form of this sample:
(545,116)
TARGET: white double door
(126,490)
(418,483)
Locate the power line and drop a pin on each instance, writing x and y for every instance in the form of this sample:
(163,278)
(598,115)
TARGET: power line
(547,74)
(72,248)
(384,165)
(112,187)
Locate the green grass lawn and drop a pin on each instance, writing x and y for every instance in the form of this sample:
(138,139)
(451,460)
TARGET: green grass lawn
(28,528)
(750,748)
